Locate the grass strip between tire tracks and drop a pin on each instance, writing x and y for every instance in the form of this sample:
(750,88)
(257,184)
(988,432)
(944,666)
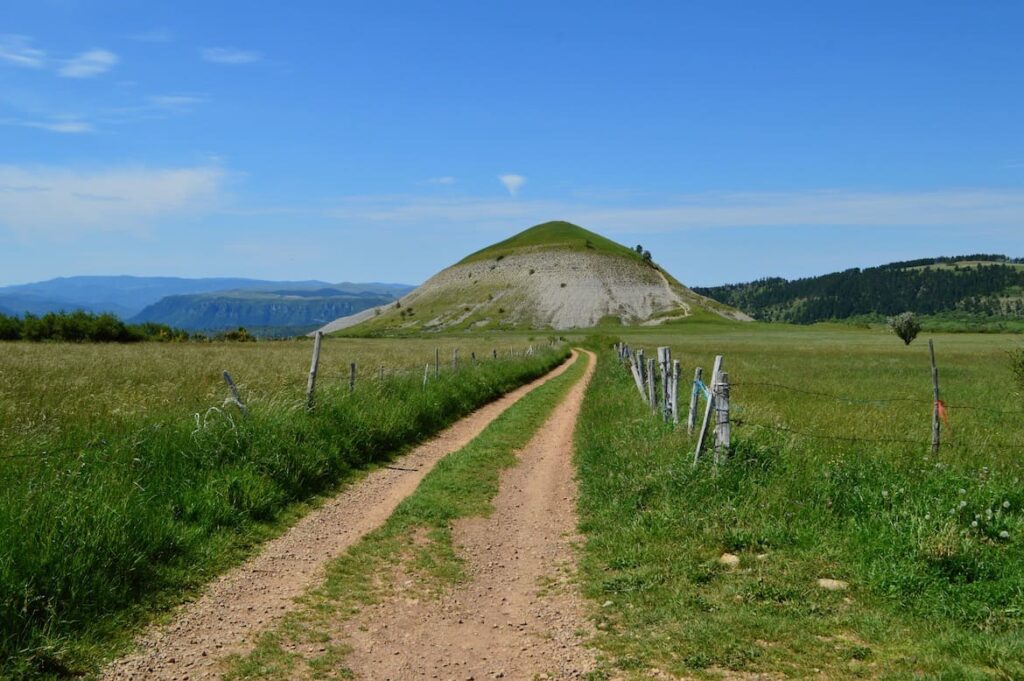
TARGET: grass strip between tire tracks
(416,539)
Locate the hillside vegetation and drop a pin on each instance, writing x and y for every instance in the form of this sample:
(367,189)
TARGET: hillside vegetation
(972,289)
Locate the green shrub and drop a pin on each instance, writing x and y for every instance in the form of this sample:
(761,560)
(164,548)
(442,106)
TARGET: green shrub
(905,326)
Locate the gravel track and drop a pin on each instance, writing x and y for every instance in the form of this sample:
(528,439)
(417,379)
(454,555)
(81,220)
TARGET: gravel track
(519,615)
(226,618)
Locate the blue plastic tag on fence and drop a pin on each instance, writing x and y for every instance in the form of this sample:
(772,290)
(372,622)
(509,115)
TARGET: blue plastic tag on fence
(699,385)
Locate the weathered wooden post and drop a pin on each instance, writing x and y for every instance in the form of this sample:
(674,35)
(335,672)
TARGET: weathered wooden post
(426,371)
(494,353)
(437,362)
(311,383)
(472,356)
(235,397)
(665,366)
(936,425)
(352,377)
(652,378)
(707,411)
(694,396)
(638,378)
(676,371)
(722,429)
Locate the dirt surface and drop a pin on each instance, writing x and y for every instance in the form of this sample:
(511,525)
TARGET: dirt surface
(226,618)
(518,616)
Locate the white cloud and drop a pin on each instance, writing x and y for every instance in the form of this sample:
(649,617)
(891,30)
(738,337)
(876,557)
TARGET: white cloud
(512,183)
(88,64)
(60,202)
(175,102)
(18,50)
(228,55)
(445,180)
(72,127)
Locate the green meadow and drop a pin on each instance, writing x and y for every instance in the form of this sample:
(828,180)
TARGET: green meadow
(826,479)
(127,480)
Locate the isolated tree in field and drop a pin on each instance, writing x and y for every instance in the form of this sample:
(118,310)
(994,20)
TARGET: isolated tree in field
(905,326)
(647,256)
(639,249)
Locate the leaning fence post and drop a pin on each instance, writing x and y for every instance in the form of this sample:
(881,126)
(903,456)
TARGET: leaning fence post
(352,377)
(311,383)
(722,429)
(936,426)
(676,370)
(638,378)
(235,397)
(707,410)
(694,396)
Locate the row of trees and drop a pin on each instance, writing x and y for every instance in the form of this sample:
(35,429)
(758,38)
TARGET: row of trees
(79,327)
(879,290)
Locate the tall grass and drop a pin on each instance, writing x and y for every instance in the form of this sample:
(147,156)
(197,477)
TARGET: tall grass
(931,546)
(110,514)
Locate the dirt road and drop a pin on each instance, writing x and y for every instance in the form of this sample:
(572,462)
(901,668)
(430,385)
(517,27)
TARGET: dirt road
(227,616)
(518,616)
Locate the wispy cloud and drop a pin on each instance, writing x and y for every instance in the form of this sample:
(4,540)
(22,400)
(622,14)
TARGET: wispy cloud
(512,183)
(445,180)
(177,103)
(229,55)
(88,64)
(18,50)
(61,124)
(58,202)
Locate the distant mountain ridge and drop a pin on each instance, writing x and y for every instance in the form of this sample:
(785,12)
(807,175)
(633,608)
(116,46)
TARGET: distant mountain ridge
(208,304)
(979,286)
(287,312)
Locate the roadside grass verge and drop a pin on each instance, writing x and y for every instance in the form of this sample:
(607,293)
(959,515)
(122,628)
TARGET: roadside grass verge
(930,547)
(125,516)
(415,541)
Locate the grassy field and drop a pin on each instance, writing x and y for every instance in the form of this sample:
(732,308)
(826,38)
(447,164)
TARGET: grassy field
(126,480)
(930,546)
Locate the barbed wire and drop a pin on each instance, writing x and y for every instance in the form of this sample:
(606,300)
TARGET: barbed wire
(877,440)
(879,400)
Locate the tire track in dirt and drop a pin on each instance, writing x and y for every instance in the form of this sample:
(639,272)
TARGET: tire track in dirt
(518,616)
(234,608)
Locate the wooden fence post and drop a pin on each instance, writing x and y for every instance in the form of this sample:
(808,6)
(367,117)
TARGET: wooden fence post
(676,371)
(707,410)
(235,397)
(722,429)
(652,378)
(638,378)
(936,425)
(352,377)
(494,353)
(426,372)
(472,356)
(665,366)
(691,418)
(437,362)
(311,383)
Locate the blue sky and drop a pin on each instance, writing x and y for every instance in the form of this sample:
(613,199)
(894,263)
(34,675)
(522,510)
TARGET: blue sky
(384,140)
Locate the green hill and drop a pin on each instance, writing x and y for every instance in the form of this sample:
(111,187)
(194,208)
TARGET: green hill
(555,275)
(968,290)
